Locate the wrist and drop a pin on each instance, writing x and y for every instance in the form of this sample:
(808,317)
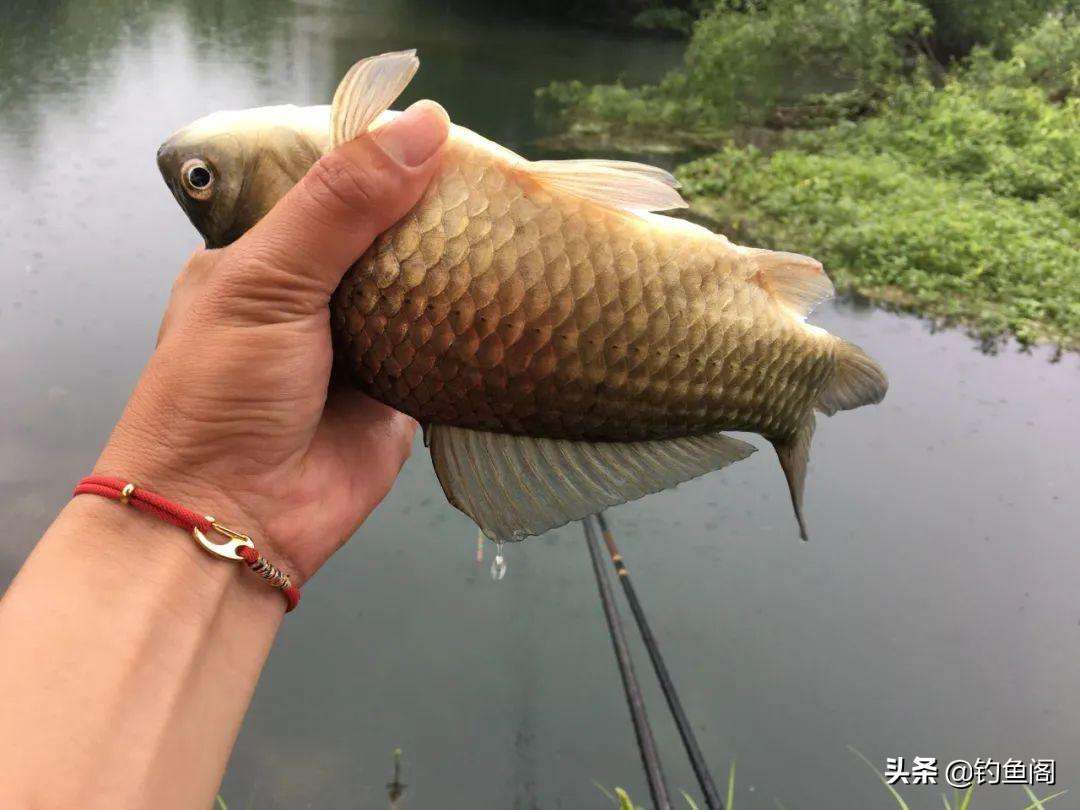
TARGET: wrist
(198,485)
(156,566)
(153,457)
(209,533)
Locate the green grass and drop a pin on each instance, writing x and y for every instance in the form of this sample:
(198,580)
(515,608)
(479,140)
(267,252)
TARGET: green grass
(961,800)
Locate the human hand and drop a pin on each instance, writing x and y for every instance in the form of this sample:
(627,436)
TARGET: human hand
(234,414)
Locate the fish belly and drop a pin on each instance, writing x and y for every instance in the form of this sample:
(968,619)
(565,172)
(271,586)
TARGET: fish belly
(498,305)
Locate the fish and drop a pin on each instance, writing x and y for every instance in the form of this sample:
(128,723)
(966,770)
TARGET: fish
(565,346)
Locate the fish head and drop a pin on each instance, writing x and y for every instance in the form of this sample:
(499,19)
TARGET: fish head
(228,169)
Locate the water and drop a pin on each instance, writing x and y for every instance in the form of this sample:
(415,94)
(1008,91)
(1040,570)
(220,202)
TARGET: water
(934,612)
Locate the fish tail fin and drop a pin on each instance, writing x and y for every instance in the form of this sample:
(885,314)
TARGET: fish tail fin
(367,91)
(857,380)
(794,453)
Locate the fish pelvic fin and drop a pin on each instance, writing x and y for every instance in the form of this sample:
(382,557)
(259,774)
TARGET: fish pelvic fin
(857,380)
(367,90)
(616,184)
(794,453)
(796,281)
(517,486)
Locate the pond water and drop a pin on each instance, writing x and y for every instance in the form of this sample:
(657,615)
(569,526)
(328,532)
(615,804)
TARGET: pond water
(933,614)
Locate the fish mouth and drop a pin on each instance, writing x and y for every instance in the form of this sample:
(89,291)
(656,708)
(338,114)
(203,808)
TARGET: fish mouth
(168,163)
(167,155)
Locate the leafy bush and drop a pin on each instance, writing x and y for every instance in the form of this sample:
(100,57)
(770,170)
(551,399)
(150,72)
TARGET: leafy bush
(995,23)
(954,193)
(741,59)
(1047,55)
(1010,140)
(746,57)
(961,201)
(866,44)
(886,228)
(615,106)
(661,16)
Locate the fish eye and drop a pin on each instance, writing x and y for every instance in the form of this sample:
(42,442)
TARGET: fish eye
(197,177)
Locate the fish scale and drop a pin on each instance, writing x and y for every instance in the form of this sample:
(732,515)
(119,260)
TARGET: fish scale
(497,305)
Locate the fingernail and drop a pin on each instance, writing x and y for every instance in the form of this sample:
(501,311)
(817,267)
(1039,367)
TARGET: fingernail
(415,135)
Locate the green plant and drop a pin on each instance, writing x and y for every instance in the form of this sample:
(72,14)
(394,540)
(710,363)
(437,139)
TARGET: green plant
(827,56)
(1047,55)
(961,800)
(622,800)
(661,17)
(1036,802)
(741,57)
(997,24)
(960,202)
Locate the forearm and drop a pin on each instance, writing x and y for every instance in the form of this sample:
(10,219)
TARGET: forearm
(129,658)
(129,655)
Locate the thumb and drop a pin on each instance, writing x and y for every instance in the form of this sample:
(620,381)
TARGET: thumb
(325,222)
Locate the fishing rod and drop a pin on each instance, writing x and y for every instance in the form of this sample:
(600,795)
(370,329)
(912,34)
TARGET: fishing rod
(686,731)
(650,757)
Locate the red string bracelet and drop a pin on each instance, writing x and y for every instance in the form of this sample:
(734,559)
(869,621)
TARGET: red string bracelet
(235,547)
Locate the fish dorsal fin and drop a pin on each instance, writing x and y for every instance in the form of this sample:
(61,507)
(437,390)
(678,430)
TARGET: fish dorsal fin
(517,486)
(368,90)
(612,183)
(797,281)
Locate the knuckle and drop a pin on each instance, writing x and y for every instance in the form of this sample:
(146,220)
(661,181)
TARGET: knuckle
(339,186)
(251,261)
(256,283)
(406,429)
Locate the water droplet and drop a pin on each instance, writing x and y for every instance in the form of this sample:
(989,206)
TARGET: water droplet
(498,565)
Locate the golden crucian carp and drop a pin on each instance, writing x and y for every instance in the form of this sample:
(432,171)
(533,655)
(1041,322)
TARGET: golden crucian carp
(565,348)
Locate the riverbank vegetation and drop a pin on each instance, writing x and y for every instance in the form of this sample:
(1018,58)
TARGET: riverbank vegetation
(929,157)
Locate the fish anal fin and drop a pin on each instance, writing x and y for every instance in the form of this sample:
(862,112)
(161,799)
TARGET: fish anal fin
(618,184)
(857,380)
(797,281)
(367,90)
(794,454)
(517,486)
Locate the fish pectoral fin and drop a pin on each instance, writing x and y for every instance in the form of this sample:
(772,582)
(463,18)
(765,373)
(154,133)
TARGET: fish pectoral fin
(367,91)
(517,486)
(794,453)
(613,183)
(797,281)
